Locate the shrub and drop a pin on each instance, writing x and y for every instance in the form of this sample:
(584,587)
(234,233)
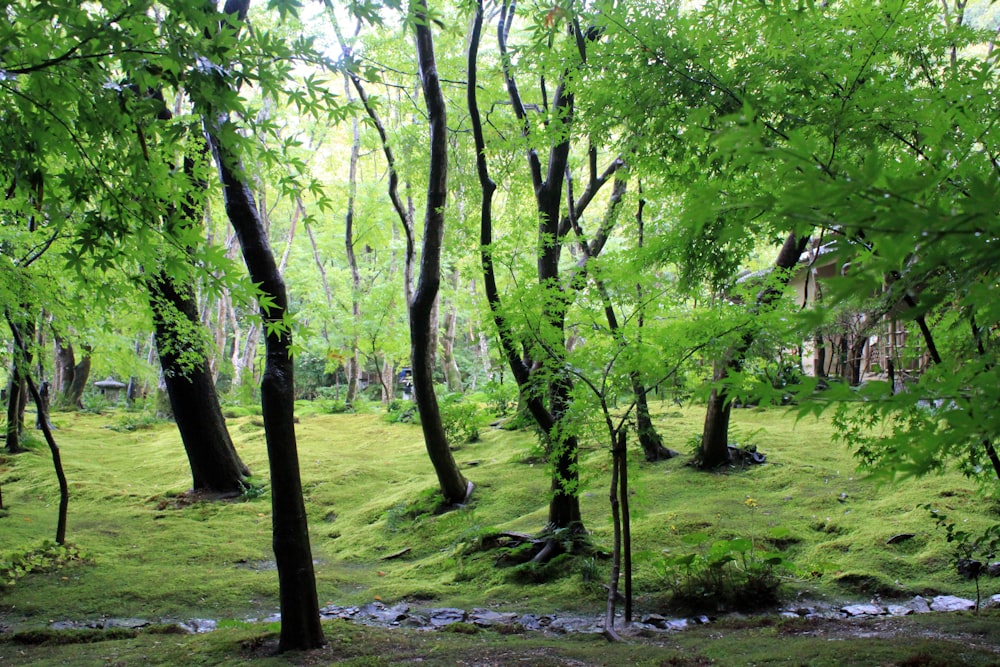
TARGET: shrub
(460,419)
(501,399)
(729,573)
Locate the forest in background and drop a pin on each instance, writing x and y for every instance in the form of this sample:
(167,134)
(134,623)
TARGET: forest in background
(563,206)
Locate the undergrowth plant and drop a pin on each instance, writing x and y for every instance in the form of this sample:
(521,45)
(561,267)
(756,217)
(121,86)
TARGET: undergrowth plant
(47,557)
(972,550)
(460,419)
(727,573)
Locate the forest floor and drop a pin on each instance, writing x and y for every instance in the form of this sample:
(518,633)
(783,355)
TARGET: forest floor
(144,549)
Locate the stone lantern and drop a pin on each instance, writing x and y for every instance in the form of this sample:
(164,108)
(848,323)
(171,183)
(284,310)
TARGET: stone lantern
(109,388)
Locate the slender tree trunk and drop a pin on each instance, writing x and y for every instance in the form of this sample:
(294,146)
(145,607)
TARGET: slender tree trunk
(17,391)
(452,374)
(616,549)
(21,351)
(62,369)
(353,364)
(649,439)
(855,356)
(819,360)
(422,307)
(300,622)
(300,627)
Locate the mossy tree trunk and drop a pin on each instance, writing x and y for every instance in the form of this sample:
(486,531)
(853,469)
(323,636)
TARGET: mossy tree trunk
(194,403)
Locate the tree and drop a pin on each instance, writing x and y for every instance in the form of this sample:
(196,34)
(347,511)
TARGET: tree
(548,412)
(422,306)
(300,626)
(422,299)
(179,334)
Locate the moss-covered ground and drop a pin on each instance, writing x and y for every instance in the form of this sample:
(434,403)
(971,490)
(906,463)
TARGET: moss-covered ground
(150,551)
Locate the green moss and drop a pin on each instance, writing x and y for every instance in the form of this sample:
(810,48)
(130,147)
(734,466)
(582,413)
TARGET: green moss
(370,496)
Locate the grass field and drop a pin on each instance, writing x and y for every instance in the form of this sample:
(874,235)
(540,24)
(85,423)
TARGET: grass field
(150,553)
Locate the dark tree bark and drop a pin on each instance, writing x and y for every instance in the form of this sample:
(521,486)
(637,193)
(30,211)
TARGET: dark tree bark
(17,394)
(714,449)
(649,438)
(21,350)
(421,300)
(194,403)
(819,361)
(300,621)
(215,465)
(454,486)
(564,507)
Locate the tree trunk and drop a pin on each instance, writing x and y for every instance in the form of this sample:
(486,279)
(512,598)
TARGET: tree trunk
(649,439)
(17,391)
(819,360)
(452,374)
(215,465)
(73,398)
(855,357)
(714,449)
(300,621)
(21,350)
(353,364)
(300,627)
(422,307)
(62,371)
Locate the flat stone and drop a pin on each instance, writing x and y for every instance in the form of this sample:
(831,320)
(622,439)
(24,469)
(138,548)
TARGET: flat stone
(789,614)
(415,620)
(993,569)
(196,626)
(993,602)
(568,625)
(64,625)
(128,623)
(446,616)
(387,615)
(898,610)
(485,618)
(702,620)
(336,611)
(654,620)
(919,605)
(532,622)
(951,603)
(677,624)
(863,610)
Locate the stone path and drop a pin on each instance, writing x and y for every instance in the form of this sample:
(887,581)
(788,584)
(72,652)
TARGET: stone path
(403,616)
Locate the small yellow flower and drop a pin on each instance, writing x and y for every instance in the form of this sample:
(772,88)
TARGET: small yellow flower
(750,502)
